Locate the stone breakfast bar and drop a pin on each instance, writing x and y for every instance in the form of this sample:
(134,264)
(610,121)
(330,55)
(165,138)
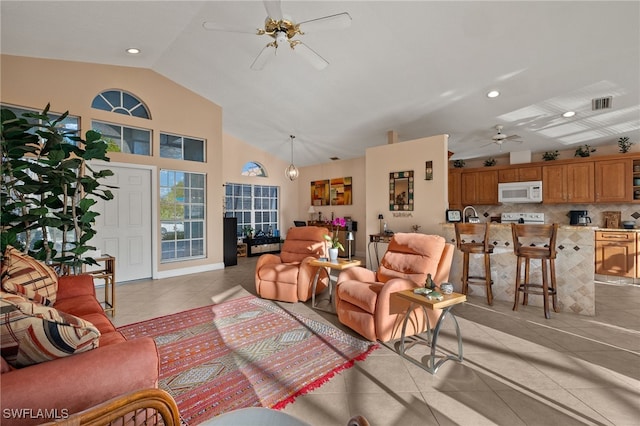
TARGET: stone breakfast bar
(574,268)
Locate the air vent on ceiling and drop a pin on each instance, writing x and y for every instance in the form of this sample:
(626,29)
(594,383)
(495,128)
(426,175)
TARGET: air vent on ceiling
(601,103)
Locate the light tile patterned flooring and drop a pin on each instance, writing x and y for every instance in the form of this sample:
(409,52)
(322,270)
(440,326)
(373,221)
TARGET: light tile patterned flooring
(518,369)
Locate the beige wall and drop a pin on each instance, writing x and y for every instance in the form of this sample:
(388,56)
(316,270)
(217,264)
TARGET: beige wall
(430,196)
(237,153)
(71,86)
(357,210)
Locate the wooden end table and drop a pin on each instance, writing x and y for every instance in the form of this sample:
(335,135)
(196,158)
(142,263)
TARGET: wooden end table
(107,273)
(448,302)
(338,265)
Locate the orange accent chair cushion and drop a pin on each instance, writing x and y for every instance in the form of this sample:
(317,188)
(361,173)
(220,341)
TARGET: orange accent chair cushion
(363,297)
(288,277)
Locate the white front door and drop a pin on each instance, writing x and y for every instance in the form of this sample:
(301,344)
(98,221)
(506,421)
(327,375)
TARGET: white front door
(124,227)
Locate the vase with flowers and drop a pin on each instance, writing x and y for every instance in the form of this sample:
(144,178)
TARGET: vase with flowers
(334,241)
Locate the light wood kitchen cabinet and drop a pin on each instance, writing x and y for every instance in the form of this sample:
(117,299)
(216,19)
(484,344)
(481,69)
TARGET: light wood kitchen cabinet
(568,183)
(480,187)
(616,253)
(523,174)
(636,180)
(612,181)
(637,255)
(455,201)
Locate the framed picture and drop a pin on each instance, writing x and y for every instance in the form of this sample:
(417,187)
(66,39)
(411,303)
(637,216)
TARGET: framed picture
(320,192)
(341,191)
(401,191)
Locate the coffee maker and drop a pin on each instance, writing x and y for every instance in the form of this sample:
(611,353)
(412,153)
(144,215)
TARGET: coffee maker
(579,218)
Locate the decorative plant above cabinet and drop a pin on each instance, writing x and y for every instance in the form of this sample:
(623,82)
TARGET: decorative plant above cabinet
(624,144)
(584,151)
(550,155)
(490,162)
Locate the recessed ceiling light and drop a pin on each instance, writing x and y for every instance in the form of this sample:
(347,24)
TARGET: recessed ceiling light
(133,50)
(493,94)
(569,114)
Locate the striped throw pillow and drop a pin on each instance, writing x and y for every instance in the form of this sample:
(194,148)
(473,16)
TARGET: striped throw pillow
(33,333)
(22,274)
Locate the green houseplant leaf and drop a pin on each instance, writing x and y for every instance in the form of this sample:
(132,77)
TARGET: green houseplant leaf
(45,189)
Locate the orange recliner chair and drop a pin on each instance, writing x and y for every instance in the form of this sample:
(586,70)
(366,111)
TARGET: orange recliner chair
(364,301)
(289,277)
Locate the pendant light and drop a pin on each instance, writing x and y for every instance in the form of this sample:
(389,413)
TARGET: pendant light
(292,171)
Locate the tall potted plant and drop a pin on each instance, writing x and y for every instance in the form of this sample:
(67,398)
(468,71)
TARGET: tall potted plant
(49,187)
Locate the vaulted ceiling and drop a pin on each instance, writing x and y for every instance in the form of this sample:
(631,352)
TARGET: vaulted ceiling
(418,68)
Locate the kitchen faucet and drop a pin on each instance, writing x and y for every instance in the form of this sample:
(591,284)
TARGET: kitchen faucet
(464,213)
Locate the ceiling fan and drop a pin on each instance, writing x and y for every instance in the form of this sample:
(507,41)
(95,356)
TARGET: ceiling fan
(282,30)
(500,138)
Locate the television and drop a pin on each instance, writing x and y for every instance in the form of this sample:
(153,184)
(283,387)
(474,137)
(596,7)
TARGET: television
(299,223)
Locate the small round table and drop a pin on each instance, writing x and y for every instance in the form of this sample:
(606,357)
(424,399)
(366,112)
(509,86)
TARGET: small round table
(338,265)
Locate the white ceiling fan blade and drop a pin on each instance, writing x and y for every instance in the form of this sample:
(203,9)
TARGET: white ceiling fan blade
(512,137)
(274,11)
(331,22)
(265,56)
(317,61)
(215,26)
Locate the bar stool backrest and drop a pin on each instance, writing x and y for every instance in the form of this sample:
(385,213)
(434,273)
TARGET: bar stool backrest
(534,240)
(473,233)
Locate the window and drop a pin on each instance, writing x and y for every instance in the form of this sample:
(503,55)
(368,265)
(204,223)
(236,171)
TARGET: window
(182,215)
(181,147)
(254,205)
(120,102)
(253,169)
(130,140)
(70,123)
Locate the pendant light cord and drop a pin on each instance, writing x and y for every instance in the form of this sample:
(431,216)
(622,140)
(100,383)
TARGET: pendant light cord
(292,138)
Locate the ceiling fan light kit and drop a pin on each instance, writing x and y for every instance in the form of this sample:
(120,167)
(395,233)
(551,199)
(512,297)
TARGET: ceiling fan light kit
(283,30)
(500,138)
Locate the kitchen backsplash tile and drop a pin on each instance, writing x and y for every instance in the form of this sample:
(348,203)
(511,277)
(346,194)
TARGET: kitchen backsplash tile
(560,213)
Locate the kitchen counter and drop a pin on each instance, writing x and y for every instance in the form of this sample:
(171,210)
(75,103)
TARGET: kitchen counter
(574,267)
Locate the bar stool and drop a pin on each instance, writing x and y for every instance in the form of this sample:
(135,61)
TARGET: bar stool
(535,242)
(473,238)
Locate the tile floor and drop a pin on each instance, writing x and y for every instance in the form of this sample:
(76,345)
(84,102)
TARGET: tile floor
(518,369)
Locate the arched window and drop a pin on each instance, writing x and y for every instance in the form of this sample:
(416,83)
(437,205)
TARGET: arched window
(120,102)
(253,169)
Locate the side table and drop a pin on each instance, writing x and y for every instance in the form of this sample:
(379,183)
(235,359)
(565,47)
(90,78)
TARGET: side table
(338,265)
(449,301)
(376,239)
(108,274)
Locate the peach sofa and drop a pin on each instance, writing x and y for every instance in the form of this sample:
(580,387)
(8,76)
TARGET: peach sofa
(288,277)
(77,382)
(363,297)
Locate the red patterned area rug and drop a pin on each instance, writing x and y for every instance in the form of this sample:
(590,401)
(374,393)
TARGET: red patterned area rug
(246,352)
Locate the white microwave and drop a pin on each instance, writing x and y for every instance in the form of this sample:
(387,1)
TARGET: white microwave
(520,192)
